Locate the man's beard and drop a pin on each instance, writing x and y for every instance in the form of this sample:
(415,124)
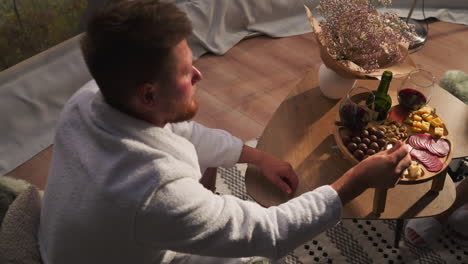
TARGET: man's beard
(183,112)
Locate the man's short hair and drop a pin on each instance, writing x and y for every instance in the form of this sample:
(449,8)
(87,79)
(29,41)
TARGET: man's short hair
(129,43)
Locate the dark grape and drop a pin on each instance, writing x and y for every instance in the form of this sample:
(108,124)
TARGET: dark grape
(379,134)
(358,154)
(372,130)
(382,142)
(352,146)
(364,133)
(356,140)
(366,141)
(374,146)
(362,147)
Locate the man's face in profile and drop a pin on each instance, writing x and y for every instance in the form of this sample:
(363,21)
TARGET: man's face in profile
(182,103)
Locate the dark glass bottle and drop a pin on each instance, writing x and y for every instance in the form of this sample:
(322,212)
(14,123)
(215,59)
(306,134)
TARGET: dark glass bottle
(383,101)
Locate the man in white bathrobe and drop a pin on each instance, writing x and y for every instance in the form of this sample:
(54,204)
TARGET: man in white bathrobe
(124,183)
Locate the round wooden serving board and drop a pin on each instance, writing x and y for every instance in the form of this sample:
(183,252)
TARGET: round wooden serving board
(341,131)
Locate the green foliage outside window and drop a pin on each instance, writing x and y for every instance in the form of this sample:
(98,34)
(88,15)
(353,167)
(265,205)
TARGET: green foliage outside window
(28,27)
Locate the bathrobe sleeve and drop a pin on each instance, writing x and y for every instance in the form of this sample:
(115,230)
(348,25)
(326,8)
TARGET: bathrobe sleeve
(215,147)
(185,217)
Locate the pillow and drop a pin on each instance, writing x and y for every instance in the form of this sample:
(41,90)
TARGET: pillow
(18,232)
(456,83)
(7,197)
(10,188)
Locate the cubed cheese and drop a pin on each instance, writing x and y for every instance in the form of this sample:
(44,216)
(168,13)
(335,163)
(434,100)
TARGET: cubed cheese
(436,122)
(417,124)
(439,131)
(425,126)
(408,121)
(416,129)
(428,118)
(414,170)
(423,110)
(417,118)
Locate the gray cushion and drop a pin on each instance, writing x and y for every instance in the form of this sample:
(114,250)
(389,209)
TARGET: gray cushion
(18,232)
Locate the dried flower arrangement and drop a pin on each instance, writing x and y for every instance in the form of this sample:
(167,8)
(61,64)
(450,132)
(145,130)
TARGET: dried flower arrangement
(360,39)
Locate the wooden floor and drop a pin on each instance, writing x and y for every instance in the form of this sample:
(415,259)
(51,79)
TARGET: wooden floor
(242,89)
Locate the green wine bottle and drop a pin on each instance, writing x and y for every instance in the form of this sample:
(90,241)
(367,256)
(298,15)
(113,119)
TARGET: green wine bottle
(382,101)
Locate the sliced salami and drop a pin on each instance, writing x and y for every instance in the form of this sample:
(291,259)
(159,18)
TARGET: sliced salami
(419,141)
(429,160)
(441,146)
(412,142)
(431,149)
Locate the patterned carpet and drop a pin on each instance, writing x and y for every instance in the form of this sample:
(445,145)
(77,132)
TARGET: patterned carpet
(354,241)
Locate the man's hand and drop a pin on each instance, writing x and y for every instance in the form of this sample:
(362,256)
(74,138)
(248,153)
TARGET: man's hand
(278,172)
(381,170)
(384,169)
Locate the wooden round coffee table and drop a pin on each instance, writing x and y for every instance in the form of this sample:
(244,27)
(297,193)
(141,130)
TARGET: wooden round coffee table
(300,132)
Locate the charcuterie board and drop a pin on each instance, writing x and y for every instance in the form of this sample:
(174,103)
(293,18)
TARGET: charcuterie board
(431,150)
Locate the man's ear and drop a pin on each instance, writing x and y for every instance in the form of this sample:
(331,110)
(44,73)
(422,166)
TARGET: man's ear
(147,94)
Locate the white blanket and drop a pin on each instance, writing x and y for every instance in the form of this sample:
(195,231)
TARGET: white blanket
(220,24)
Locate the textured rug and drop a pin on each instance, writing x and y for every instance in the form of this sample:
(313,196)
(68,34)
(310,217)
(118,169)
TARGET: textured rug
(354,241)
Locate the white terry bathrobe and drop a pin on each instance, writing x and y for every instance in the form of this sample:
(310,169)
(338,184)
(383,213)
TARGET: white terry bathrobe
(121,190)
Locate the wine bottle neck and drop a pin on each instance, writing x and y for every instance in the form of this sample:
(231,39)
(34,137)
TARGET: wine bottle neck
(385,83)
(383,87)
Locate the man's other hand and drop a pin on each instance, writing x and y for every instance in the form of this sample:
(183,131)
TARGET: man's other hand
(279,172)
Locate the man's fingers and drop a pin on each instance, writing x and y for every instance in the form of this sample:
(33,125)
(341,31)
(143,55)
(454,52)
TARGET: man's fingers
(292,180)
(397,146)
(403,164)
(283,186)
(400,153)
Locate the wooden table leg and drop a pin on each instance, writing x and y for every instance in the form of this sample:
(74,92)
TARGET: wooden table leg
(438,182)
(398,230)
(380,197)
